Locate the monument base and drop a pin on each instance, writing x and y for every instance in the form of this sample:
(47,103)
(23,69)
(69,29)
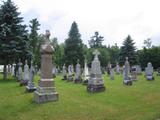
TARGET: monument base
(70,78)
(30,89)
(150,77)
(85,82)
(23,82)
(127,82)
(64,78)
(78,80)
(42,95)
(95,88)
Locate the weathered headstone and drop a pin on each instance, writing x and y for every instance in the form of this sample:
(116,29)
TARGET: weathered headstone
(9,69)
(149,72)
(30,85)
(64,72)
(26,75)
(19,71)
(126,73)
(112,73)
(139,70)
(70,74)
(85,73)
(54,72)
(13,69)
(134,73)
(108,68)
(117,69)
(78,78)
(95,82)
(46,89)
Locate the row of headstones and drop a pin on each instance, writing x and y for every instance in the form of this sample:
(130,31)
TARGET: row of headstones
(24,78)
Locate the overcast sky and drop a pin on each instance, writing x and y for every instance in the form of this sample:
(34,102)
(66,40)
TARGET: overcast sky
(114,19)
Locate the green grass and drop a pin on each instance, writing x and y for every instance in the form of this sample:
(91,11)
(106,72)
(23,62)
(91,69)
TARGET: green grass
(138,102)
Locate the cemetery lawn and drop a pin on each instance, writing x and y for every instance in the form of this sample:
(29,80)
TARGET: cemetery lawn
(138,102)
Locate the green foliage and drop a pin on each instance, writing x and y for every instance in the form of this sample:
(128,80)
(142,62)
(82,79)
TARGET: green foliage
(58,56)
(73,46)
(149,55)
(148,43)
(14,42)
(128,50)
(96,40)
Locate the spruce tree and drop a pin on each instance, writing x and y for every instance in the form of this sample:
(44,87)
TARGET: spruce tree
(34,40)
(128,50)
(14,42)
(73,46)
(96,40)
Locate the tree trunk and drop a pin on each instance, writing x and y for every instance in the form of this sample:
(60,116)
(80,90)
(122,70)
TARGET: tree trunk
(5,72)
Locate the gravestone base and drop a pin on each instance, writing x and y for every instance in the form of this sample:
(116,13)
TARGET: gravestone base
(150,77)
(46,94)
(95,88)
(30,89)
(23,82)
(78,80)
(127,82)
(64,78)
(70,78)
(85,82)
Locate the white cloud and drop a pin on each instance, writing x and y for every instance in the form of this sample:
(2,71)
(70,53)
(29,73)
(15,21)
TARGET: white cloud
(114,19)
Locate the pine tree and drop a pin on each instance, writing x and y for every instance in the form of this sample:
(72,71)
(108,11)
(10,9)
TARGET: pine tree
(14,42)
(96,40)
(73,46)
(128,50)
(34,39)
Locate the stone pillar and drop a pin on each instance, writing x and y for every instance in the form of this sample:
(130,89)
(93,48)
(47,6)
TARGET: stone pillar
(95,82)
(46,90)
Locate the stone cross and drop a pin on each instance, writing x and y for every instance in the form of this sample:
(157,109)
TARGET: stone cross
(96,53)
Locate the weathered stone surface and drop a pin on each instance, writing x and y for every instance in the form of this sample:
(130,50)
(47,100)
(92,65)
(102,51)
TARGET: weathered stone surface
(30,86)
(126,73)
(70,73)
(64,72)
(95,82)
(26,75)
(86,74)
(112,73)
(46,90)
(19,71)
(78,78)
(149,72)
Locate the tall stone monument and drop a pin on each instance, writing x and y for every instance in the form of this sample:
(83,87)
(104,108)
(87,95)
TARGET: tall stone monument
(112,73)
(126,73)
(46,90)
(19,70)
(85,74)
(30,85)
(13,69)
(78,78)
(149,71)
(95,82)
(26,75)
(70,73)
(117,69)
(64,72)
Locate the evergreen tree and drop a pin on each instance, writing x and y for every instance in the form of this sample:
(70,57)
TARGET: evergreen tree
(73,46)
(128,50)
(96,40)
(14,42)
(34,39)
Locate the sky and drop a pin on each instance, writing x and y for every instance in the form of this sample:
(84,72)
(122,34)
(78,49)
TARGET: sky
(113,19)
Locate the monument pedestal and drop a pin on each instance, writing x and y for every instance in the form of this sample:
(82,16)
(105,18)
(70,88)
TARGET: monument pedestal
(45,92)
(96,88)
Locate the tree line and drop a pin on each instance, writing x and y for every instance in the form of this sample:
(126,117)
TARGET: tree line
(16,42)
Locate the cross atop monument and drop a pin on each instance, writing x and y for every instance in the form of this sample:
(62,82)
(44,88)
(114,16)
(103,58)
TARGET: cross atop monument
(126,58)
(47,35)
(96,53)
